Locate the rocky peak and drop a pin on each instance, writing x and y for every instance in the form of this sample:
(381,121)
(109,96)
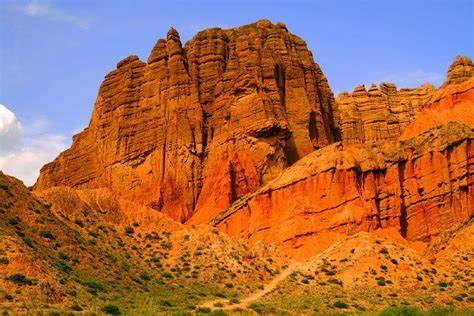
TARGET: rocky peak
(460,70)
(382,113)
(199,125)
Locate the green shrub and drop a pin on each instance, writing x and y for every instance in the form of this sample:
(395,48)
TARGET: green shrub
(20,279)
(129,230)
(340,304)
(28,242)
(76,307)
(381,282)
(93,287)
(79,223)
(93,234)
(401,311)
(4,260)
(14,221)
(8,297)
(165,303)
(384,250)
(443,284)
(62,266)
(204,310)
(145,276)
(47,234)
(62,255)
(258,307)
(111,309)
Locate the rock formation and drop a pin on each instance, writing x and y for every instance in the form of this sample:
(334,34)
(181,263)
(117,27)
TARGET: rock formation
(421,187)
(382,113)
(451,103)
(195,127)
(236,128)
(460,70)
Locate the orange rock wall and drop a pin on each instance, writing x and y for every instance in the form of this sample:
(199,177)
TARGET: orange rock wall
(421,187)
(380,113)
(383,113)
(198,125)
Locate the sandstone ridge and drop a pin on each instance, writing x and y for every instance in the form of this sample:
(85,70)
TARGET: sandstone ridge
(383,113)
(198,125)
(420,187)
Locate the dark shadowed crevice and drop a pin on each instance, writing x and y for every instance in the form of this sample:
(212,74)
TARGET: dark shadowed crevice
(313,130)
(163,163)
(403,209)
(291,152)
(233,184)
(379,176)
(279,73)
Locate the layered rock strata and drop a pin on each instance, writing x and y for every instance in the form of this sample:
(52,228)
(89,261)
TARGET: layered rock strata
(420,186)
(197,126)
(382,113)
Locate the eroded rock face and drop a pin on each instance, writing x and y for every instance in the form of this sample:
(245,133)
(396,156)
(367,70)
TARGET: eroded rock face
(421,187)
(382,113)
(451,103)
(379,113)
(460,70)
(195,127)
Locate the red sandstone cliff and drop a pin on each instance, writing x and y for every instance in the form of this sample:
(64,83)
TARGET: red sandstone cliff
(421,187)
(195,127)
(383,113)
(236,128)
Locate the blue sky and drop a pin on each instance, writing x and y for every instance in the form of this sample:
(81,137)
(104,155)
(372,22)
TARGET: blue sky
(54,54)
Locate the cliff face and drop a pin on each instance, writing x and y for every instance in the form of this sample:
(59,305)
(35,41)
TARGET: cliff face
(236,128)
(411,170)
(382,113)
(195,127)
(421,187)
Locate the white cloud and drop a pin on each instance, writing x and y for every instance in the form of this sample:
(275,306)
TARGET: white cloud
(413,79)
(11,129)
(24,155)
(37,8)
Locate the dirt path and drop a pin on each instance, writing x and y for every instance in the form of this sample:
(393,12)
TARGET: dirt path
(270,286)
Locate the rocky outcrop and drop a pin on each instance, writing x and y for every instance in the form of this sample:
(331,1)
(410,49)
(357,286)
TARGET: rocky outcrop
(420,186)
(451,103)
(197,126)
(379,113)
(382,113)
(461,69)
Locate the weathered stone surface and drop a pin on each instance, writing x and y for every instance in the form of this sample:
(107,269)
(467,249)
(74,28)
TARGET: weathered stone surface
(451,103)
(382,113)
(421,187)
(195,127)
(460,70)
